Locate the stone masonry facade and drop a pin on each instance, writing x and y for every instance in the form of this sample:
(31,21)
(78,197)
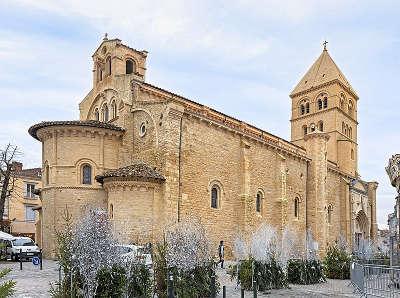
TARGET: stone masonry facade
(172,158)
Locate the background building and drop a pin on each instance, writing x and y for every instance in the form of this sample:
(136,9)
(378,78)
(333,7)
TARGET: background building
(20,206)
(152,158)
(393,170)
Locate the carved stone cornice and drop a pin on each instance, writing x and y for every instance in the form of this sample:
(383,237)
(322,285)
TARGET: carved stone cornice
(320,86)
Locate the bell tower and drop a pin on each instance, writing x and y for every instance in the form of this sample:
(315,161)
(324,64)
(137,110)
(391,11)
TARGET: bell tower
(324,101)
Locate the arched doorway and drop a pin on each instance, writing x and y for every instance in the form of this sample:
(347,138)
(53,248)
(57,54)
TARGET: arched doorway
(361,230)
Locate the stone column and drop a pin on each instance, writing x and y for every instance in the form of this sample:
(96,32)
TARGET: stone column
(372,186)
(316,145)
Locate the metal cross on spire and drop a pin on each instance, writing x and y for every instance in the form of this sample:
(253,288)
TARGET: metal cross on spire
(325,43)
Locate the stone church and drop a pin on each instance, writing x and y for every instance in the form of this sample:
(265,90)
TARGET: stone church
(151,157)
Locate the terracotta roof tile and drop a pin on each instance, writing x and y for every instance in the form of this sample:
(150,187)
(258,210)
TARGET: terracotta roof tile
(91,123)
(136,171)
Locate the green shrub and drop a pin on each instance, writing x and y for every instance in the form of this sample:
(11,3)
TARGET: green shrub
(111,282)
(160,270)
(7,288)
(337,263)
(267,275)
(193,283)
(139,281)
(305,272)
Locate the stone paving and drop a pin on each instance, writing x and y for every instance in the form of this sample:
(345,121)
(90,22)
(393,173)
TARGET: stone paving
(332,288)
(32,283)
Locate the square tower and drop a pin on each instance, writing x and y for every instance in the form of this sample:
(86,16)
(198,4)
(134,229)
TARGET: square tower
(324,100)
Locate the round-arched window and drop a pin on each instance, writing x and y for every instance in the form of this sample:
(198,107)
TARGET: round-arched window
(111,211)
(215,197)
(259,202)
(86,174)
(296,207)
(130,66)
(143,129)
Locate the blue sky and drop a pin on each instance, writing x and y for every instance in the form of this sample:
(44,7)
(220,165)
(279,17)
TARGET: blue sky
(240,57)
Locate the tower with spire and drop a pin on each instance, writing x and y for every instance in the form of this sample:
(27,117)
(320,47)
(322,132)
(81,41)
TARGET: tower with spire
(324,101)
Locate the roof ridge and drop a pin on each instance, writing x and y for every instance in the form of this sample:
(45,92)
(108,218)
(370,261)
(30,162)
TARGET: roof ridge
(323,70)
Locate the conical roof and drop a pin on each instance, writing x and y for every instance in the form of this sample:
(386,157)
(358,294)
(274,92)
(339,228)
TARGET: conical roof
(323,70)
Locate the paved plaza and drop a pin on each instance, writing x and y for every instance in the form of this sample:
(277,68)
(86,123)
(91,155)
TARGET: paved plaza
(32,282)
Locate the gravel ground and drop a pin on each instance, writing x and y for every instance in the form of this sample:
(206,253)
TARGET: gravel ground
(32,283)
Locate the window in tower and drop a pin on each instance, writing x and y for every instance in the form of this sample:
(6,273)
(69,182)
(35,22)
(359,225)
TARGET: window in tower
(111,211)
(105,113)
(99,74)
(342,101)
(215,192)
(325,102)
(259,201)
(350,108)
(130,66)
(307,108)
(343,127)
(296,207)
(113,110)
(350,132)
(96,114)
(312,127)
(304,129)
(321,126)
(352,154)
(330,209)
(319,104)
(108,66)
(302,110)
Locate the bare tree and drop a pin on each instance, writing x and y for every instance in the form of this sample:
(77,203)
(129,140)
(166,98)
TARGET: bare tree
(7,176)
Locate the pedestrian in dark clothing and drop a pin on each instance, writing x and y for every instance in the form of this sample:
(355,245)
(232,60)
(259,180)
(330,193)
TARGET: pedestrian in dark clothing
(221,253)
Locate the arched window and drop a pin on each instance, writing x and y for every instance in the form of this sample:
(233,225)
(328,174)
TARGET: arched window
(105,113)
(304,129)
(343,127)
(86,174)
(312,127)
(322,101)
(259,202)
(99,73)
(302,109)
(330,209)
(350,132)
(321,126)
(47,174)
(113,109)
(96,114)
(215,192)
(319,104)
(111,211)
(352,154)
(296,207)
(350,108)
(130,66)
(108,66)
(307,107)
(342,101)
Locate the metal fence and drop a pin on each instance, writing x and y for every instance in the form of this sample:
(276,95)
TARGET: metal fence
(375,281)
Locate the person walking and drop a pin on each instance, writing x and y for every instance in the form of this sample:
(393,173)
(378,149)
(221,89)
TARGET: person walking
(221,253)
